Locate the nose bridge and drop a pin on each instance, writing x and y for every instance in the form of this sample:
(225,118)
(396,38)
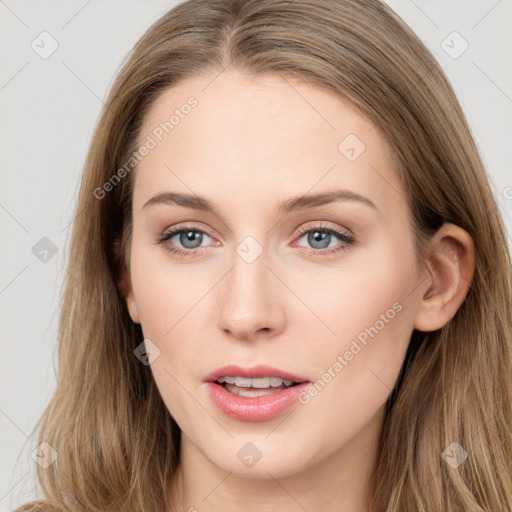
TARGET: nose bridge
(248,279)
(247,302)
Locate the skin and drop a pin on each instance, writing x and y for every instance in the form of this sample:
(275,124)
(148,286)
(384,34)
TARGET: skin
(250,143)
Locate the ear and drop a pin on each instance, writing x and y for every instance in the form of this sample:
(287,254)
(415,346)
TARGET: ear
(451,264)
(124,282)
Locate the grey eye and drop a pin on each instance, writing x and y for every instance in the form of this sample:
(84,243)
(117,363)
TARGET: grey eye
(319,239)
(190,238)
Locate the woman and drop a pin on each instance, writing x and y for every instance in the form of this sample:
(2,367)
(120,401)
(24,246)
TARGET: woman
(290,280)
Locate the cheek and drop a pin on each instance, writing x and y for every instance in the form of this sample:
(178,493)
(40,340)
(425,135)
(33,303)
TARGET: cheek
(167,300)
(366,292)
(165,292)
(171,301)
(371,313)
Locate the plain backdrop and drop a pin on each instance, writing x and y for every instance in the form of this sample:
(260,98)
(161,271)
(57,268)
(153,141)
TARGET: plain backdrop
(49,107)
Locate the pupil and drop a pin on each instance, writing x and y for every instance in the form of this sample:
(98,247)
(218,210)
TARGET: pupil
(319,236)
(190,236)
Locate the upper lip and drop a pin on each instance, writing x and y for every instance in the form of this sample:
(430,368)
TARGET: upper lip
(253,372)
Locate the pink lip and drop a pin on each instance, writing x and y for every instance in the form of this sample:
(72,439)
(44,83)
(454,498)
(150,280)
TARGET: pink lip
(233,370)
(261,408)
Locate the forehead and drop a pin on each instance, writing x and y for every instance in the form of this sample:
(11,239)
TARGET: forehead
(258,138)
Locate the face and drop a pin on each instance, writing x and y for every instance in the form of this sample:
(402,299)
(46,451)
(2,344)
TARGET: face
(323,289)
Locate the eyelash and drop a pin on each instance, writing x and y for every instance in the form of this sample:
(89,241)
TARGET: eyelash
(344,237)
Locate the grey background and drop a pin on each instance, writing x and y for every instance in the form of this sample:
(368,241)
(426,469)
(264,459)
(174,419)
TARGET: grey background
(49,108)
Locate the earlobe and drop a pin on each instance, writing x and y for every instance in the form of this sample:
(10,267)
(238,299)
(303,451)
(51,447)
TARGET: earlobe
(124,283)
(451,265)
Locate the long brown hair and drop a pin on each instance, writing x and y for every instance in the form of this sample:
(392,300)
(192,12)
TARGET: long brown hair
(117,445)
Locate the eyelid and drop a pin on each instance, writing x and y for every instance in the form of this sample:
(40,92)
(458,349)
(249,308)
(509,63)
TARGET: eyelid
(319,226)
(186,226)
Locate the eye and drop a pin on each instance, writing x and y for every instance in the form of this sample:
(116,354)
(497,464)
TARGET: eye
(323,239)
(189,237)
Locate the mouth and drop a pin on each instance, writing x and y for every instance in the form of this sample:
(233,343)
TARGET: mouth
(255,381)
(252,388)
(259,393)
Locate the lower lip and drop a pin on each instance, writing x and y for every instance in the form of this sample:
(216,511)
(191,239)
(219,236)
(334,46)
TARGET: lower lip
(260,408)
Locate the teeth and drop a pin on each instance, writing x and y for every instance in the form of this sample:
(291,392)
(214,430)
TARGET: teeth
(229,380)
(262,382)
(251,392)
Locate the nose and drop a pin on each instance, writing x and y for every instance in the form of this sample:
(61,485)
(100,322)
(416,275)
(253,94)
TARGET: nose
(249,300)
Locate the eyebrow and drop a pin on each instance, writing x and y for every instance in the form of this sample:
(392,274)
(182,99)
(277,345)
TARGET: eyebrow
(293,204)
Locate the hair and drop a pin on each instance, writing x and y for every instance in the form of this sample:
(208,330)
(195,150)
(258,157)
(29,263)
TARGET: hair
(118,446)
